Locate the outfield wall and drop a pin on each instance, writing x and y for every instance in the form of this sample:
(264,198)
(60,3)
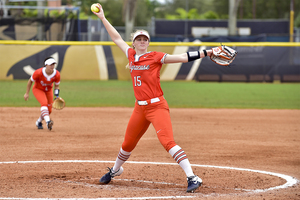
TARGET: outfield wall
(255,62)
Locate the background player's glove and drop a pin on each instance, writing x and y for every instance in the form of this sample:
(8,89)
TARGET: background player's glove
(58,103)
(223,55)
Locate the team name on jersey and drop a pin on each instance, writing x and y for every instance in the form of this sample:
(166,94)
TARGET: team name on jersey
(45,84)
(139,67)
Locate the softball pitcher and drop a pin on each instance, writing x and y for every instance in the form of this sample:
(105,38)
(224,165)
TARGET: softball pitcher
(42,90)
(150,105)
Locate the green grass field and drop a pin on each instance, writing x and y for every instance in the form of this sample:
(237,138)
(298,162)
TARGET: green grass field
(179,94)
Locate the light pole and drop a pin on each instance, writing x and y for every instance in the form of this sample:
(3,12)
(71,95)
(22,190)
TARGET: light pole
(186,19)
(292,21)
(40,27)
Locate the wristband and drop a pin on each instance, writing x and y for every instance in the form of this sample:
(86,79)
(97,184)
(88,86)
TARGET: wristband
(193,55)
(205,53)
(56,92)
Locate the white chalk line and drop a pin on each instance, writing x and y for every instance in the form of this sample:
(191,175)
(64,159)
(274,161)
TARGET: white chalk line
(290,181)
(133,180)
(107,186)
(142,181)
(150,182)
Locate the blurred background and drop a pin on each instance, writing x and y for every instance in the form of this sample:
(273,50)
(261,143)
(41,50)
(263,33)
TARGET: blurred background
(266,34)
(165,20)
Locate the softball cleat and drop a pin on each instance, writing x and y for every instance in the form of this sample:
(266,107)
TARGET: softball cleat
(39,125)
(193,183)
(49,125)
(109,175)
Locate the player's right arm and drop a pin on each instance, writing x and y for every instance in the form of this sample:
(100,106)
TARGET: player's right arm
(113,33)
(26,95)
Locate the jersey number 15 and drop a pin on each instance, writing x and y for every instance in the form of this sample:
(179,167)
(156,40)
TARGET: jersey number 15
(137,81)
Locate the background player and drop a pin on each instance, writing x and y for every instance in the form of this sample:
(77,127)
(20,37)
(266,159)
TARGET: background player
(42,90)
(150,106)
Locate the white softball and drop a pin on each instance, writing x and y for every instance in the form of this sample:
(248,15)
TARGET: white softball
(94,8)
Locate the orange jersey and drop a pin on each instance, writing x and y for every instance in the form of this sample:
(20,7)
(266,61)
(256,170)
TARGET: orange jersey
(145,73)
(44,81)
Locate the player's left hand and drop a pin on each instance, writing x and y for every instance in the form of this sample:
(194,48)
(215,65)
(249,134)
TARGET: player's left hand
(58,103)
(223,55)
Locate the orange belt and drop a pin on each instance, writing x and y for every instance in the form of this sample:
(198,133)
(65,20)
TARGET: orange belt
(149,101)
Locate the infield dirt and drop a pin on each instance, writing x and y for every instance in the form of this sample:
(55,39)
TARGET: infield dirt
(267,140)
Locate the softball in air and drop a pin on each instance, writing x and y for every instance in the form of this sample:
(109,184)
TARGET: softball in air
(94,8)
